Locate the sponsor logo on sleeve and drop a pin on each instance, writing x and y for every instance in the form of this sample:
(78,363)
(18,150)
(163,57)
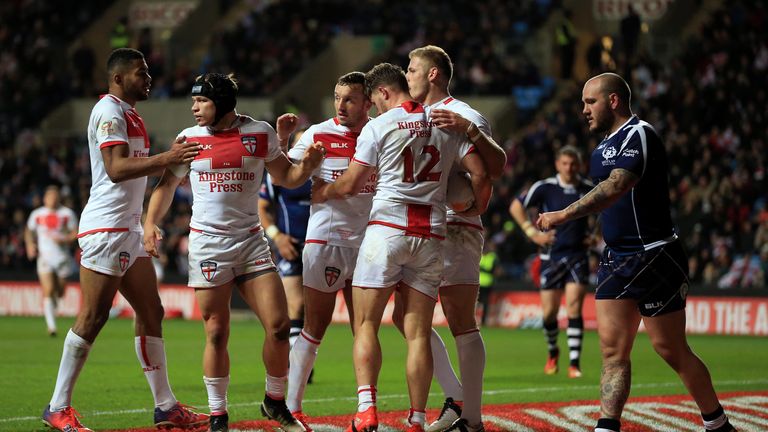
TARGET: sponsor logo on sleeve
(630,153)
(106,128)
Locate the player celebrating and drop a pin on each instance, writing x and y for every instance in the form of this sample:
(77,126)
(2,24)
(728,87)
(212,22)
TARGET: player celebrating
(51,229)
(401,249)
(110,239)
(336,228)
(429,75)
(643,273)
(227,247)
(564,265)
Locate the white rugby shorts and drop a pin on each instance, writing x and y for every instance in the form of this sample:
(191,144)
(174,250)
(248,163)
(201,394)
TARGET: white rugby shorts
(463,248)
(111,253)
(62,266)
(216,260)
(387,256)
(327,268)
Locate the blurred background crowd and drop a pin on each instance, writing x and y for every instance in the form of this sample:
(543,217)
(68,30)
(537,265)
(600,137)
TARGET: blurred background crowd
(707,101)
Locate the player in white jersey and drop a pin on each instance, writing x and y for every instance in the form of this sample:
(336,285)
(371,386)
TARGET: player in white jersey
(335,228)
(402,248)
(110,238)
(429,75)
(51,229)
(227,246)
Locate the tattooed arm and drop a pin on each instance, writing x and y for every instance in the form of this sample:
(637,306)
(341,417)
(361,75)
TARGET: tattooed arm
(601,196)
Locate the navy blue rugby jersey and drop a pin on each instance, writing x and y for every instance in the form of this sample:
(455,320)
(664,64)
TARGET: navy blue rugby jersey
(551,194)
(291,206)
(640,220)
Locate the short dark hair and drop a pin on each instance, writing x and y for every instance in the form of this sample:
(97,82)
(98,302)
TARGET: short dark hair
(354,78)
(569,150)
(437,57)
(614,83)
(386,74)
(122,57)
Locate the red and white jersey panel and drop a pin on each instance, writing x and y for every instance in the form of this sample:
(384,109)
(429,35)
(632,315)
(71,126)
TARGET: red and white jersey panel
(413,159)
(336,222)
(50,225)
(114,206)
(226,176)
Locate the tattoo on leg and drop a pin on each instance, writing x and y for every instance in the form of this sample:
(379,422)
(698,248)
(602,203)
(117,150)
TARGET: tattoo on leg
(615,381)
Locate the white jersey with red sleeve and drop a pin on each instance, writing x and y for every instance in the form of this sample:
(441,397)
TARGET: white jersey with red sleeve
(114,206)
(50,225)
(226,175)
(336,222)
(469,113)
(413,158)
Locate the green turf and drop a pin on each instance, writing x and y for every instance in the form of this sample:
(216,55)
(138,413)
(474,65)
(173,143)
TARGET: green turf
(112,393)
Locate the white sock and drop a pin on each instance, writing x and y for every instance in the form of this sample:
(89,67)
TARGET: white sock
(217,394)
(443,369)
(417,417)
(276,386)
(151,353)
(73,358)
(366,397)
(471,350)
(302,357)
(49,310)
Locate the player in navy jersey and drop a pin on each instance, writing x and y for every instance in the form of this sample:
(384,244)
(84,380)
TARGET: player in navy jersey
(643,273)
(284,214)
(564,266)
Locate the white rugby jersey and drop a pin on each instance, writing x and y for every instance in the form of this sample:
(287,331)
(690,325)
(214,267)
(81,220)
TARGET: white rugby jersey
(336,222)
(226,176)
(469,113)
(114,206)
(50,225)
(414,159)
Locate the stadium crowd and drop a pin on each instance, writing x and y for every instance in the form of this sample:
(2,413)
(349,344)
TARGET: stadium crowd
(708,105)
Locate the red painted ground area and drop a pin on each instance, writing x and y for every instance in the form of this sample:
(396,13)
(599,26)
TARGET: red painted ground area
(748,412)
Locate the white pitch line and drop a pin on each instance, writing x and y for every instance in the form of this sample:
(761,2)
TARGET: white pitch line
(405,396)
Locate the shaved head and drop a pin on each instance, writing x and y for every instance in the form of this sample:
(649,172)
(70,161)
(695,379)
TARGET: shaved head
(611,83)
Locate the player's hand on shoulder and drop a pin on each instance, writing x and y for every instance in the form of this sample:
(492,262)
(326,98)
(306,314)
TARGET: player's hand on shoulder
(182,151)
(286,124)
(449,120)
(318,190)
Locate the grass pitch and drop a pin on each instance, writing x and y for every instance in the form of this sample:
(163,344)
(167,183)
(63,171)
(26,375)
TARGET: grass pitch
(112,393)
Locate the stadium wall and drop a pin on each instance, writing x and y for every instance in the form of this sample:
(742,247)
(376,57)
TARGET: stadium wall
(513,309)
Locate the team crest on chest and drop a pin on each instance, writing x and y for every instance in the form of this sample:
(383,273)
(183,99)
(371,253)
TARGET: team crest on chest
(124,258)
(208,268)
(609,152)
(331,275)
(250,143)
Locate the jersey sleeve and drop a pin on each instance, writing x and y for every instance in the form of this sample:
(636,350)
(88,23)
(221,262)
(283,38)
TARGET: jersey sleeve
(479,120)
(534,197)
(296,152)
(632,153)
(366,150)
(273,148)
(111,129)
(32,221)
